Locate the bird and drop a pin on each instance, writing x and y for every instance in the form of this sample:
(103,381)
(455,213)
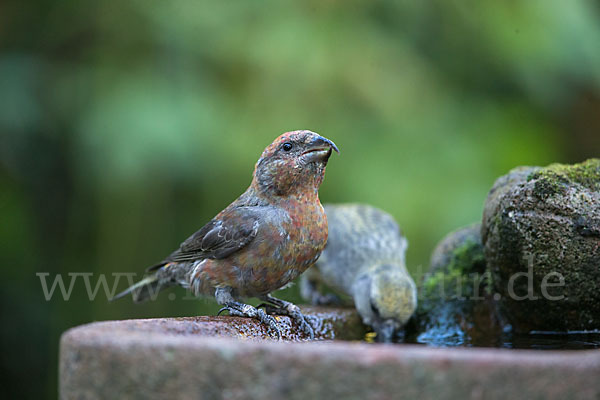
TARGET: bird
(365,259)
(262,241)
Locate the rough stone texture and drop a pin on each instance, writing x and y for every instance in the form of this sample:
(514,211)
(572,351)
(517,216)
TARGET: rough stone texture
(501,187)
(455,305)
(178,358)
(332,323)
(541,221)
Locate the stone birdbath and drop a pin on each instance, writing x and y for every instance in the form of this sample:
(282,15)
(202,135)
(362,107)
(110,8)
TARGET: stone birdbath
(235,358)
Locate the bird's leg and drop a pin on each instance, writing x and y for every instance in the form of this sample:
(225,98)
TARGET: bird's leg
(283,307)
(224,297)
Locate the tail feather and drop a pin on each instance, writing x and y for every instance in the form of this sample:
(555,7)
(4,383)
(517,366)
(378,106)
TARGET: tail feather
(145,289)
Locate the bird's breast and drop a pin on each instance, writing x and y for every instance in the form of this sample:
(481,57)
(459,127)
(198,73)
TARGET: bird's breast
(288,241)
(307,232)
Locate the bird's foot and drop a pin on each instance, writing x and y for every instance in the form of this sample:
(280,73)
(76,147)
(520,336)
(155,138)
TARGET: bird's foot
(246,310)
(282,307)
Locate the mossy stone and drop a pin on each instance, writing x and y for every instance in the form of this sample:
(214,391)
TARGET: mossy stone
(541,232)
(454,302)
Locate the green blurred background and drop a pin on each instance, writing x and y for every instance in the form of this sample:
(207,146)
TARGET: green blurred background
(126,125)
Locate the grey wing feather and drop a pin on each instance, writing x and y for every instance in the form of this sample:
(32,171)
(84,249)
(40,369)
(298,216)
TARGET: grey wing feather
(218,239)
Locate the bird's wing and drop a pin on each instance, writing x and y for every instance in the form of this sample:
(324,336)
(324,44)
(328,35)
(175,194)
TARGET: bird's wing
(222,236)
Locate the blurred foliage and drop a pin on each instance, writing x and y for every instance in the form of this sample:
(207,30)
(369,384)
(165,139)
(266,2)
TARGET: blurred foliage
(126,125)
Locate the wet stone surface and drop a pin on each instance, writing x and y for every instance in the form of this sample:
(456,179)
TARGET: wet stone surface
(455,305)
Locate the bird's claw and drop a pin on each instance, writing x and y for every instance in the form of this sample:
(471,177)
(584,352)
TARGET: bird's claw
(221,310)
(295,313)
(246,310)
(270,321)
(268,307)
(292,311)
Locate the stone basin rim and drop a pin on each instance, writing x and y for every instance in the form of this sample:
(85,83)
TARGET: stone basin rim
(120,334)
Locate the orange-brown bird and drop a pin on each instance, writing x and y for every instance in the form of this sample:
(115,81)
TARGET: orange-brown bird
(263,240)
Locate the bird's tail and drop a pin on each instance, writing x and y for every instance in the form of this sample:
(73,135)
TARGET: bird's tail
(145,289)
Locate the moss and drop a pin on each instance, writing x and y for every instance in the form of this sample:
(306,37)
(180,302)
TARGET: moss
(466,262)
(555,178)
(468,258)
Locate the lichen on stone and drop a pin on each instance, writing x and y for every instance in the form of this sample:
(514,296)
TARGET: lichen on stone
(555,178)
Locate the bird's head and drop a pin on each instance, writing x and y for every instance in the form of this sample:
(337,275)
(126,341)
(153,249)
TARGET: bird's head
(294,163)
(385,297)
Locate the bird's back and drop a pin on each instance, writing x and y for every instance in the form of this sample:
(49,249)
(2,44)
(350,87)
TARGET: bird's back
(358,236)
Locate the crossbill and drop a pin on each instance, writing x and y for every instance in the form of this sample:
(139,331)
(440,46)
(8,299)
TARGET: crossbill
(262,241)
(365,259)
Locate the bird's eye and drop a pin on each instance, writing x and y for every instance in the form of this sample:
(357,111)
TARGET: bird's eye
(287,146)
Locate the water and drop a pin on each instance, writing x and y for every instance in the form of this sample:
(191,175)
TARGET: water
(580,340)
(554,341)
